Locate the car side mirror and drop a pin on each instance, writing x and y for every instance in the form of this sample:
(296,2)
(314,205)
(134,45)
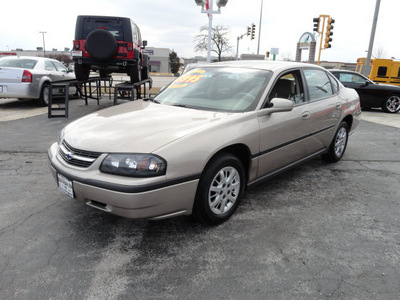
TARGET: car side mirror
(276,105)
(365,84)
(144,44)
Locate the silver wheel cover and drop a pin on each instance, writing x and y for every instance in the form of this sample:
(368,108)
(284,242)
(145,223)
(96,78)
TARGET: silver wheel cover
(393,104)
(340,141)
(224,190)
(46,96)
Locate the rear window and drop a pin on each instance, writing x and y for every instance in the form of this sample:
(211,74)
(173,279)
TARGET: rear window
(115,27)
(18,63)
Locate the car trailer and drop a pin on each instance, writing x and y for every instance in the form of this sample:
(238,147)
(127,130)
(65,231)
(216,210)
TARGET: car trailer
(132,91)
(92,89)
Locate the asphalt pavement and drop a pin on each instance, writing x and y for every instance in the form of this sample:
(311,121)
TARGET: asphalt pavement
(319,231)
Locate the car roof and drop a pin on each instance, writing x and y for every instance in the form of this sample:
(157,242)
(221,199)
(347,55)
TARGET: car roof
(275,66)
(339,70)
(38,58)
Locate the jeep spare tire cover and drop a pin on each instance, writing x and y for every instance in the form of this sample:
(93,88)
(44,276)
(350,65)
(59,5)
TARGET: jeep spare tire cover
(101,45)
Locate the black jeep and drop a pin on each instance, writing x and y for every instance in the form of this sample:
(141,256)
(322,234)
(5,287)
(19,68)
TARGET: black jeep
(107,45)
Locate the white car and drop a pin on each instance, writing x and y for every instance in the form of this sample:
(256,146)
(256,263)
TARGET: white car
(196,146)
(29,77)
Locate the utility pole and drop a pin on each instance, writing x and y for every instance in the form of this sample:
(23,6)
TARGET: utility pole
(371,40)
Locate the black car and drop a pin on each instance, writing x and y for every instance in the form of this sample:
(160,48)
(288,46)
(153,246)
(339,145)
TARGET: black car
(371,94)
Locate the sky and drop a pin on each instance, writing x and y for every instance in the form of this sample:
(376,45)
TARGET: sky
(173,24)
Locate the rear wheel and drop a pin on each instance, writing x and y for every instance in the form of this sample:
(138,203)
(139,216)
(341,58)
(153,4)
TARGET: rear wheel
(219,190)
(134,72)
(44,94)
(104,74)
(145,73)
(391,104)
(82,72)
(338,145)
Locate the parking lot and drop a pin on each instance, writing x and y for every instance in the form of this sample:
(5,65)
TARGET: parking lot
(319,231)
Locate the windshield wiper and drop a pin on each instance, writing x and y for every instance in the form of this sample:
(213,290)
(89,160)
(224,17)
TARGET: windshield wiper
(151,99)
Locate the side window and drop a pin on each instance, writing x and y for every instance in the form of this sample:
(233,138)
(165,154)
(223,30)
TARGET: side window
(48,65)
(59,66)
(335,84)
(288,86)
(358,79)
(382,71)
(134,33)
(319,85)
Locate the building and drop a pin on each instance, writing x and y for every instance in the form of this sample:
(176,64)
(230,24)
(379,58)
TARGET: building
(159,59)
(338,65)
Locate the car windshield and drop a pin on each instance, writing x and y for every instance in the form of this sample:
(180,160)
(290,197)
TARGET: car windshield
(18,63)
(216,88)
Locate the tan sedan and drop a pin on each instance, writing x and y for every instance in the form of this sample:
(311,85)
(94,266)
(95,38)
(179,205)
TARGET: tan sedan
(196,146)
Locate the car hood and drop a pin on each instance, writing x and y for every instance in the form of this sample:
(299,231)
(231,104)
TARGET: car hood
(139,126)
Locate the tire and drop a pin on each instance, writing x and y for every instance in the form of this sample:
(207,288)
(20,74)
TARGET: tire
(101,45)
(391,104)
(82,72)
(134,72)
(44,95)
(338,145)
(220,189)
(104,74)
(145,73)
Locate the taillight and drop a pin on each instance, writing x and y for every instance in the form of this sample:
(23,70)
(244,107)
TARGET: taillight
(130,46)
(26,76)
(76,45)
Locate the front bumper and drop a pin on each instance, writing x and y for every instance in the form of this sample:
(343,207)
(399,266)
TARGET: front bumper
(153,200)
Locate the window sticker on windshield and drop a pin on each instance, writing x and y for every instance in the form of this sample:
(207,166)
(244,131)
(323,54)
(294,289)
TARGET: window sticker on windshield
(184,80)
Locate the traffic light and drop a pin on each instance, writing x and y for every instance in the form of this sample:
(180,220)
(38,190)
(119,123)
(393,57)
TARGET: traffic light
(267,54)
(253,31)
(248,30)
(316,24)
(328,33)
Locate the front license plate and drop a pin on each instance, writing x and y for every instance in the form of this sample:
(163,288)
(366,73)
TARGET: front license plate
(65,185)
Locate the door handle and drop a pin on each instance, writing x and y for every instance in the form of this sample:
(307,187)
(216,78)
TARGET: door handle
(338,105)
(305,114)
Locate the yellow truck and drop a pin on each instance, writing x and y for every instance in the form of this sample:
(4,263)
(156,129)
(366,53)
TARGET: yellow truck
(381,70)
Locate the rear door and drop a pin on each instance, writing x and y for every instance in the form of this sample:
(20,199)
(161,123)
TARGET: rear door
(324,106)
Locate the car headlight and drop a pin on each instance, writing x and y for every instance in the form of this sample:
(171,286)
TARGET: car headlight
(134,165)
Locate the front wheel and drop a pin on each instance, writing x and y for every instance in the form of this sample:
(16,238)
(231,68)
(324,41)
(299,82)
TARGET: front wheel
(391,104)
(338,145)
(220,188)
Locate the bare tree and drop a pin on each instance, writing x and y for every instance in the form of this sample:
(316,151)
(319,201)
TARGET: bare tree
(379,53)
(219,40)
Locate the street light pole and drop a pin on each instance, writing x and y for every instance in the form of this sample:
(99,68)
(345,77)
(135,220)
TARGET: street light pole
(259,28)
(44,45)
(210,17)
(210,11)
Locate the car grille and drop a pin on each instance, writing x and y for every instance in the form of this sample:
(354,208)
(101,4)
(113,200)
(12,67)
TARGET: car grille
(76,157)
